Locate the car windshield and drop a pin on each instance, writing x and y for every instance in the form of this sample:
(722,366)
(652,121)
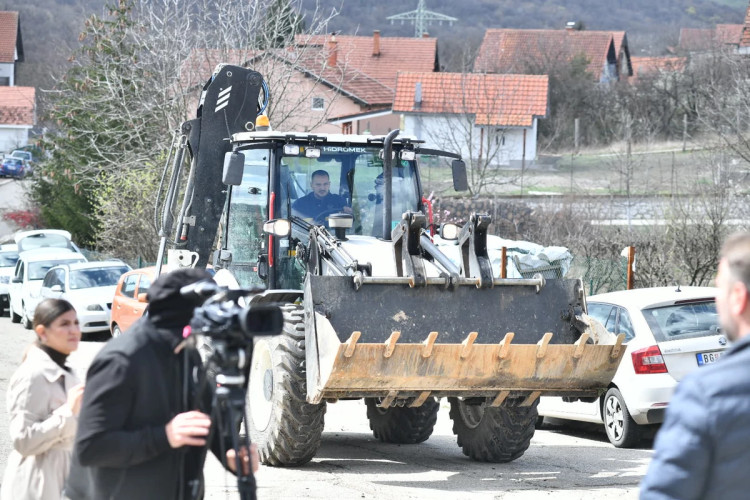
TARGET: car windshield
(8,259)
(96,277)
(355,173)
(685,320)
(37,270)
(43,240)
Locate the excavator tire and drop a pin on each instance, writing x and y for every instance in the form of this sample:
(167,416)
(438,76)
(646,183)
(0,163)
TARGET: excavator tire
(402,425)
(284,426)
(493,434)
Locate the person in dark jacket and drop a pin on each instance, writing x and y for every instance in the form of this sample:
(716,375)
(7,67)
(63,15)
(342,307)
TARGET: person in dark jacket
(703,448)
(140,434)
(319,202)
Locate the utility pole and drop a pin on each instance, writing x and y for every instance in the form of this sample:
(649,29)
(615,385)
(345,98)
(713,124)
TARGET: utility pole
(421,17)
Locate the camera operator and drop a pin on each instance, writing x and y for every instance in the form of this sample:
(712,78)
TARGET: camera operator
(142,429)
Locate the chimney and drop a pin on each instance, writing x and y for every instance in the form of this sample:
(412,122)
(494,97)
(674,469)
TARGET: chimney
(418,95)
(332,50)
(376,43)
(425,34)
(573,26)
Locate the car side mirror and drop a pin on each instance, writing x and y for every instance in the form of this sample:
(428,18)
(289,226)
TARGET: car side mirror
(234,167)
(16,280)
(460,182)
(56,289)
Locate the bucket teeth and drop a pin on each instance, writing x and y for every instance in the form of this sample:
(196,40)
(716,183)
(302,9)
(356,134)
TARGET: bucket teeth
(389,399)
(500,398)
(428,343)
(580,345)
(467,343)
(390,344)
(618,345)
(351,344)
(420,399)
(541,349)
(505,345)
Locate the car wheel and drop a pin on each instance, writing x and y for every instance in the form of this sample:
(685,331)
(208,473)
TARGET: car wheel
(14,318)
(116,332)
(25,321)
(622,430)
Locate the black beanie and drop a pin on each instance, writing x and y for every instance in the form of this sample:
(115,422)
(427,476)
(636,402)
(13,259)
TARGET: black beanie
(165,304)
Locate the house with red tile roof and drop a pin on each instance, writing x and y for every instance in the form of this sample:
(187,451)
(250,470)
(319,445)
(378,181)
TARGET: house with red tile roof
(11,48)
(17,104)
(488,118)
(329,83)
(537,51)
(744,46)
(656,66)
(723,36)
(17,116)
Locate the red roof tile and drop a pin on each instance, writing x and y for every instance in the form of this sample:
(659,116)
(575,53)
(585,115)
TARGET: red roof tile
(531,51)
(650,65)
(17,105)
(695,39)
(501,100)
(396,54)
(8,36)
(745,38)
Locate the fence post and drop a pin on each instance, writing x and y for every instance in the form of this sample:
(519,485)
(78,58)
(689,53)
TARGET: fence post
(631,262)
(504,264)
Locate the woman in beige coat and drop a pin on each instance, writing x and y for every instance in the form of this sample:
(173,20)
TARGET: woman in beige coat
(43,400)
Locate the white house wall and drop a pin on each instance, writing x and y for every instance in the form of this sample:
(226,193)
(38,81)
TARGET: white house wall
(436,131)
(13,137)
(6,71)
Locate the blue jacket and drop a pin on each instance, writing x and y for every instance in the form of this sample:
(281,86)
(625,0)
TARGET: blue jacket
(703,448)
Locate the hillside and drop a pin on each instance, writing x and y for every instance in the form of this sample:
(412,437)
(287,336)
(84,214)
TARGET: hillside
(50,27)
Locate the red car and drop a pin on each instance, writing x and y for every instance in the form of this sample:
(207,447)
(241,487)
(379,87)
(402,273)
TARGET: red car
(129,302)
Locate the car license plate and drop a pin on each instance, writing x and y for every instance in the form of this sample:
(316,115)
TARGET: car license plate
(706,358)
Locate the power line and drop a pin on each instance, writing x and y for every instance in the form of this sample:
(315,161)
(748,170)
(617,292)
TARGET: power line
(421,17)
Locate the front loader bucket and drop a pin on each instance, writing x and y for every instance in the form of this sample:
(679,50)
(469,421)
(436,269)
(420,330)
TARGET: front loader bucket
(396,342)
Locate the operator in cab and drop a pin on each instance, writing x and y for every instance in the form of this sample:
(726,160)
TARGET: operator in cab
(320,202)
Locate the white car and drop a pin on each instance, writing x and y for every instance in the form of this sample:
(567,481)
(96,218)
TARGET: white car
(29,272)
(669,332)
(89,286)
(44,238)
(8,259)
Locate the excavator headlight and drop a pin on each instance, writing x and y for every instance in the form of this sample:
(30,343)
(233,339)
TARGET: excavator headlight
(449,231)
(291,149)
(277,227)
(312,153)
(408,155)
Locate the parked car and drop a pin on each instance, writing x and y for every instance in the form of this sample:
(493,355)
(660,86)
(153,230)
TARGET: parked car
(89,286)
(669,332)
(14,167)
(126,306)
(44,238)
(30,270)
(8,259)
(22,154)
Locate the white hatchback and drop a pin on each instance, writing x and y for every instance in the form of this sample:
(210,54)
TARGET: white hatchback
(89,286)
(27,279)
(669,332)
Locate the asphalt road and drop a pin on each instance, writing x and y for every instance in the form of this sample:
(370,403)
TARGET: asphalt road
(562,462)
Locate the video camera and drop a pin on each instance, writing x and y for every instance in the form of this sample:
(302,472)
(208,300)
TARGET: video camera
(229,327)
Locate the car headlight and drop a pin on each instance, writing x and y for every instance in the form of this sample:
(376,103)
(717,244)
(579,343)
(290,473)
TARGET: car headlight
(94,307)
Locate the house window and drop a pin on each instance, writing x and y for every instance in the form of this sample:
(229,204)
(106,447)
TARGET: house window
(4,81)
(346,128)
(318,103)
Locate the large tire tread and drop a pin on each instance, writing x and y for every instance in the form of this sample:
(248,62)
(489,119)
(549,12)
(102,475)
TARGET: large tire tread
(402,424)
(293,434)
(503,434)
